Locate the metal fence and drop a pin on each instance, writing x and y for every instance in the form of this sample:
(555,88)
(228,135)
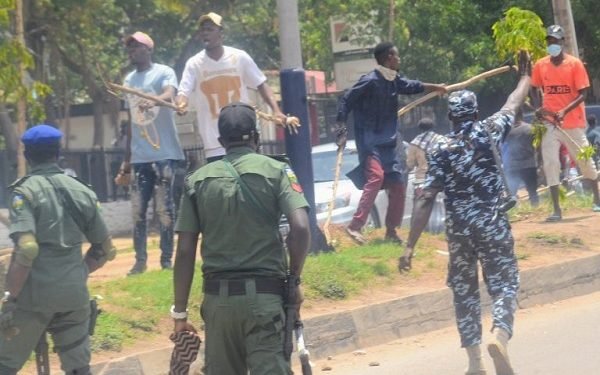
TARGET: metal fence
(98,168)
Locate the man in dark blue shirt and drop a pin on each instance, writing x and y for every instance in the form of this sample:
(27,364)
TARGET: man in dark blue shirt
(519,159)
(374,102)
(476,226)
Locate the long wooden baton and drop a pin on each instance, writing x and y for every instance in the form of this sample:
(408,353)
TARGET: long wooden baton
(453,87)
(143,95)
(336,179)
(292,123)
(543,189)
(579,148)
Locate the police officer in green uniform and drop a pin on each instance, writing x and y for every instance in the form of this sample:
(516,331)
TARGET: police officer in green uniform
(236,204)
(46,280)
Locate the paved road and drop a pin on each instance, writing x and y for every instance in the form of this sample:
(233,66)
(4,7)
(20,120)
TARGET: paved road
(557,339)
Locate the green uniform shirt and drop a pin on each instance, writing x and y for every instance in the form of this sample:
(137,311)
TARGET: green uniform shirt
(238,241)
(58,277)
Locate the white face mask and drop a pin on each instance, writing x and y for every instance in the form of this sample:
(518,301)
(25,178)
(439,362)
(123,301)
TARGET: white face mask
(554,49)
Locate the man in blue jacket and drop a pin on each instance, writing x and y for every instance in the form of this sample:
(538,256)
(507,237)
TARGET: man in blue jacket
(374,101)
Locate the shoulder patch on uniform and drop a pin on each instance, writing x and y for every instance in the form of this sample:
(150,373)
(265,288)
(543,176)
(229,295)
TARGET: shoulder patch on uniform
(293,179)
(17,202)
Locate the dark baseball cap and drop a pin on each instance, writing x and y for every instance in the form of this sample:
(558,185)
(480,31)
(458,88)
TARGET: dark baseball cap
(555,31)
(237,122)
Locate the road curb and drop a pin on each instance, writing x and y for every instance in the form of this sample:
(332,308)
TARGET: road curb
(379,323)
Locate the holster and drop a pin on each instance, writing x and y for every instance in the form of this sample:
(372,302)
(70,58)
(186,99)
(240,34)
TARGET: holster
(94,312)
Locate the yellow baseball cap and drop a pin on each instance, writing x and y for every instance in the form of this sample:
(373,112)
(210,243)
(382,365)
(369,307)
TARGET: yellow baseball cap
(212,17)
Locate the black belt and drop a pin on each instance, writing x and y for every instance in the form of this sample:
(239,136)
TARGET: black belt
(238,287)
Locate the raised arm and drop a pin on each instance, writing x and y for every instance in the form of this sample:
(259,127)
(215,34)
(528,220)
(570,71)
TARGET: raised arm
(517,97)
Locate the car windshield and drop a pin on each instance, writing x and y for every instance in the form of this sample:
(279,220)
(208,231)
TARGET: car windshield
(324,164)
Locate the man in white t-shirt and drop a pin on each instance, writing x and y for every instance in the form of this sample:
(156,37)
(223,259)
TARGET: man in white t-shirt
(215,77)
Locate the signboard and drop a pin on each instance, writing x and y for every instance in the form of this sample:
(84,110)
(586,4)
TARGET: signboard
(349,71)
(341,38)
(352,57)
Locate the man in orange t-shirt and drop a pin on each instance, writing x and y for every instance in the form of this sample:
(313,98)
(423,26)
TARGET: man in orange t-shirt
(564,82)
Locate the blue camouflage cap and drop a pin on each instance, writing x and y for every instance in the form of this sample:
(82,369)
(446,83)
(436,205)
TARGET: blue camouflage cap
(462,103)
(41,135)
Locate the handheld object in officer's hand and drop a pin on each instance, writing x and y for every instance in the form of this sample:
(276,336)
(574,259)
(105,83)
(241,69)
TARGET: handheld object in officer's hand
(302,351)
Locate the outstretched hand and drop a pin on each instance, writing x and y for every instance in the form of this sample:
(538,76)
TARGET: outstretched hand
(524,63)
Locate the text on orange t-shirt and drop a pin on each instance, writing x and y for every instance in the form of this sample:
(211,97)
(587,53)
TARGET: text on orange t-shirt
(561,85)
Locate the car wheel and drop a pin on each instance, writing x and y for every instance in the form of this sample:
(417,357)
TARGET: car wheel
(373,219)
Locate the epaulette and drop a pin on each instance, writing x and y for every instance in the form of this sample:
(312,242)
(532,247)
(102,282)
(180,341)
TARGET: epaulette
(81,182)
(18,182)
(282,158)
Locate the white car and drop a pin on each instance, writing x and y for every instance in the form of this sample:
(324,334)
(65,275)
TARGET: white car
(347,195)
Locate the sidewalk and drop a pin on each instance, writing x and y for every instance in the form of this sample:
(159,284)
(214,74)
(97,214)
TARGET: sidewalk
(386,321)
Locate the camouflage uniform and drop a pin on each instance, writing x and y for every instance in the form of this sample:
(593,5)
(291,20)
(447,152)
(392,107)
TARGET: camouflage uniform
(465,170)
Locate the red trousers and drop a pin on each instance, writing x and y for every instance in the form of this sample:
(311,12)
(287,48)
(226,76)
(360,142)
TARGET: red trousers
(375,181)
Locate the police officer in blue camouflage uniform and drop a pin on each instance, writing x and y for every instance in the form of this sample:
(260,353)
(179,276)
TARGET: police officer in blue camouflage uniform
(46,281)
(464,168)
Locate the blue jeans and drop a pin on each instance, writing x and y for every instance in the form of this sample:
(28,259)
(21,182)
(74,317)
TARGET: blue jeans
(153,179)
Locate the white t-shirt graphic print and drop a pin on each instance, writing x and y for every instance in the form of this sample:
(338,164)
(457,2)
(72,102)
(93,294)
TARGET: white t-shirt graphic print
(212,84)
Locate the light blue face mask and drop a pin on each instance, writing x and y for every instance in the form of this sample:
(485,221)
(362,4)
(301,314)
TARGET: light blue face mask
(554,49)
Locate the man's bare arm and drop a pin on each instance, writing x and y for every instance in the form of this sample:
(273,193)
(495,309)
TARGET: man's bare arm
(183,271)
(267,94)
(578,100)
(16,277)
(298,239)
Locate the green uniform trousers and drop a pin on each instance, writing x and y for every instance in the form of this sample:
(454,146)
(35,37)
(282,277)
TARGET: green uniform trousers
(244,333)
(69,332)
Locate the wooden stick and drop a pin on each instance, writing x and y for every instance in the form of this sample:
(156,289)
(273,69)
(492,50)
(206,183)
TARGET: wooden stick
(143,95)
(291,122)
(336,179)
(579,149)
(454,87)
(543,189)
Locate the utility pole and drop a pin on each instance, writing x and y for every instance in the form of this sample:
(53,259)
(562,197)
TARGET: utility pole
(22,100)
(294,102)
(563,16)
(392,19)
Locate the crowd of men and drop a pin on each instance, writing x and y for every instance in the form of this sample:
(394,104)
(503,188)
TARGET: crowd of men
(251,277)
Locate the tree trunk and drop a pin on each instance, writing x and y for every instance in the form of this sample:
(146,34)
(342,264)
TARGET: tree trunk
(98,108)
(9,131)
(564,16)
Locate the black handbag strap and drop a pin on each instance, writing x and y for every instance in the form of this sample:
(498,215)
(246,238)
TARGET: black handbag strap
(68,204)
